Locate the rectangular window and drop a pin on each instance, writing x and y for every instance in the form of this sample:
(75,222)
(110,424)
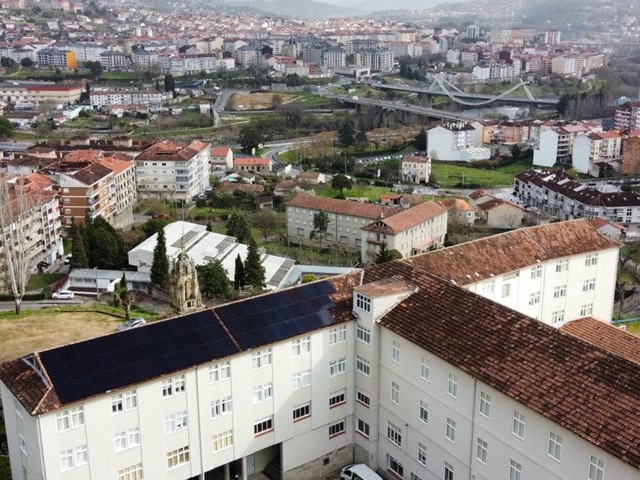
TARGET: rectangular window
(596,468)
(301,379)
(395,351)
(222,440)
(261,358)
(534,298)
(127,439)
(395,392)
(262,393)
(451,430)
(425,369)
(448,471)
(362,427)
(221,406)
(557,316)
(337,398)
(302,411)
(337,429)
(173,386)
(263,426)
(589,284)
(363,334)
(415,477)
(131,473)
(488,289)
(363,398)
(362,365)
(506,290)
(586,310)
(559,291)
(591,260)
(395,466)
(66,460)
(536,272)
(518,424)
(70,419)
(562,265)
(177,457)
(338,335)
(17,406)
(174,423)
(555,446)
(394,433)
(300,346)
(124,401)
(338,367)
(481,451)
(363,303)
(515,470)
(219,371)
(424,411)
(422,454)
(452,388)
(485,404)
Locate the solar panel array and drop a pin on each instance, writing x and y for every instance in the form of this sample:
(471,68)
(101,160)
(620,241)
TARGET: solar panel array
(270,318)
(115,361)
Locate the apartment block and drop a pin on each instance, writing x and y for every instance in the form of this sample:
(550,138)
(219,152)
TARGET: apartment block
(57,58)
(86,193)
(627,116)
(597,151)
(455,142)
(416,169)
(102,98)
(555,144)
(123,190)
(631,155)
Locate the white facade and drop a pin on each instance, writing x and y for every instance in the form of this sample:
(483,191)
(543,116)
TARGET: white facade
(416,169)
(455,143)
(592,148)
(100,98)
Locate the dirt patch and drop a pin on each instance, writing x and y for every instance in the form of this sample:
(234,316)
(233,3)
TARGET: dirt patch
(50,328)
(256,101)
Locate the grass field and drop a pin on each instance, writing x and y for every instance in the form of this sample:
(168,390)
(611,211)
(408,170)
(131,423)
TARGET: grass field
(38,282)
(633,327)
(37,330)
(371,192)
(448,175)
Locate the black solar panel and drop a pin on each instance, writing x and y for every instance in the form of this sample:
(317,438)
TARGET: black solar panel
(268,319)
(115,361)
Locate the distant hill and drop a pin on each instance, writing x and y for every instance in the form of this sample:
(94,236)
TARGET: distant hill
(291,8)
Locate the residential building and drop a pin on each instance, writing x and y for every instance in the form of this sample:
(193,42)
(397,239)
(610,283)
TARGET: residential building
(555,145)
(500,213)
(34,94)
(173,171)
(376,60)
(631,155)
(567,65)
(411,231)
(57,58)
(253,164)
(123,190)
(366,367)
(473,31)
(86,51)
(552,37)
(416,169)
(221,158)
(455,142)
(114,60)
(459,211)
(102,98)
(144,59)
(627,116)
(85,193)
(596,152)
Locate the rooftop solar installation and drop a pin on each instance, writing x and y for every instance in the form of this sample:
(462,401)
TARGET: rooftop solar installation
(268,319)
(95,366)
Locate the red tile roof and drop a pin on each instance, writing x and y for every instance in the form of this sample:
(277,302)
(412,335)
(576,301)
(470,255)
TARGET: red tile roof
(342,207)
(249,161)
(172,152)
(605,335)
(220,151)
(407,218)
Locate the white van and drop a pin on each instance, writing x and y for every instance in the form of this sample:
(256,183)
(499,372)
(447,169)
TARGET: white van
(358,472)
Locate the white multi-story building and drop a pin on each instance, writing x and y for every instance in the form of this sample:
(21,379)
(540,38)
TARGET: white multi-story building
(144,59)
(391,366)
(101,98)
(376,60)
(416,169)
(627,116)
(555,145)
(455,142)
(114,60)
(593,151)
(173,171)
(86,51)
(123,190)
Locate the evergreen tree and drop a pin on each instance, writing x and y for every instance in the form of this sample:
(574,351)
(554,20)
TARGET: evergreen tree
(160,266)
(104,248)
(169,83)
(78,251)
(385,255)
(346,133)
(238,226)
(254,274)
(320,226)
(421,140)
(238,275)
(122,297)
(213,279)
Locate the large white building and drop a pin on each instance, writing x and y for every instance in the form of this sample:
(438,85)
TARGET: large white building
(455,143)
(594,151)
(391,366)
(102,98)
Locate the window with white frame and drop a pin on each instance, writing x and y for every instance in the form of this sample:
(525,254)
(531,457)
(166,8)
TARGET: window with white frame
(72,458)
(394,433)
(451,430)
(506,290)
(589,284)
(133,472)
(219,371)
(395,351)
(488,289)
(425,369)
(518,424)
(591,260)
(300,346)
(337,398)
(301,379)
(222,440)
(485,404)
(71,418)
(395,466)
(23,443)
(481,451)
(302,411)
(534,298)
(596,468)
(536,272)
(362,427)
(66,460)
(362,365)
(122,402)
(177,457)
(220,407)
(363,398)
(263,392)
(557,316)
(263,426)
(127,439)
(173,386)
(81,454)
(175,423)
(586,309)
(448,471)
(337,428)
(337,367)
(338,335)
(261,358)
(363,334)
(422,454)
(17,406)
(559,291)
(515,470)
(395,392)
(363,303)
(555,446)
(452,388)
(424,412)
(562,265)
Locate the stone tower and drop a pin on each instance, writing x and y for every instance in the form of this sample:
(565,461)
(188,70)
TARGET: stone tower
(185,290)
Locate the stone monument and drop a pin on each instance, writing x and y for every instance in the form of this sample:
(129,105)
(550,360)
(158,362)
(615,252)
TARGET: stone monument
(184,286)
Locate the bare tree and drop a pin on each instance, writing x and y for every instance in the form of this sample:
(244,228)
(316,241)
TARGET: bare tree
(16,207)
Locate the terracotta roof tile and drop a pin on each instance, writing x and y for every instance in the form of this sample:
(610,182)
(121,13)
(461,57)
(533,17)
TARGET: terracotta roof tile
(91,174)
(220,151)
(343,207)
(605,335)
(407,218)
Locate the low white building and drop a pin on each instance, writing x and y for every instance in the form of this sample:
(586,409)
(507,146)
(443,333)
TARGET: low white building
(221,158)
(455,143)
(102,98)
(416,169)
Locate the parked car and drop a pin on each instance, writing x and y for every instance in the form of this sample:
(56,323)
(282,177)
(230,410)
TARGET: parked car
(133,323)
(67,259)
(63,295)
(358,472)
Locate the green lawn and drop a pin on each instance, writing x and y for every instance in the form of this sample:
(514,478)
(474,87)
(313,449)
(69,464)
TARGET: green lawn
(371,192)
(633,328)
(39,281)
(174,133)
(447,174)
